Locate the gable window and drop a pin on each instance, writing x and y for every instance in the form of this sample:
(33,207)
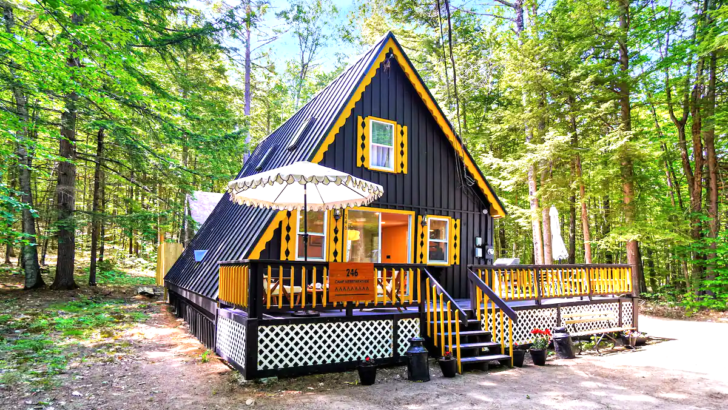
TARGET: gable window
(381,145)
(316,236)
(438,240)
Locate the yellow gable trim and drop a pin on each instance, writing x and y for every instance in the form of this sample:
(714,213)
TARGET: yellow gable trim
(495,210)
(267,236)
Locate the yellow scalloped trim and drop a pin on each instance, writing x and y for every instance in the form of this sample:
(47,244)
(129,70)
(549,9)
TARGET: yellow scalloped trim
(496,210)
(267,236)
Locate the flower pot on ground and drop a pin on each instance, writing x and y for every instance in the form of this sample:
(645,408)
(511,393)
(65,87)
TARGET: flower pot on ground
(448,365)
(538,356)
(367,372)
(541,341)
(632,338)
(518,356)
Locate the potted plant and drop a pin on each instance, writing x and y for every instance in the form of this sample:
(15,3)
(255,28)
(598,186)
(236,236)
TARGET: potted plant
(367,372)
(448,364)
(518,355)
(541,341)
(632,338)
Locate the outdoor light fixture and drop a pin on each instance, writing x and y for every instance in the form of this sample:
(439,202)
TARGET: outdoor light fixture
(337,214)
(485,211)
(424,220)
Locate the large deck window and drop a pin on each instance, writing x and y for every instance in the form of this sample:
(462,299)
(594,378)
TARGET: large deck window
(316,236)
(379,236)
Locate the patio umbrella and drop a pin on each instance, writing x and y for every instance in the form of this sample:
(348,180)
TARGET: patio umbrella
(287,188)
(557,242)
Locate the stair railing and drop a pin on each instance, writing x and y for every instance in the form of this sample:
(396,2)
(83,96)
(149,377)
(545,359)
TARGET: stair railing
(481,293)
(442,313)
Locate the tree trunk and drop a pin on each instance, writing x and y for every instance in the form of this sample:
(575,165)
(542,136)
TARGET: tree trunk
(502,240)
(29,252)
(66,187)
(572,229)
(711,158)
(625,154)
(96,206)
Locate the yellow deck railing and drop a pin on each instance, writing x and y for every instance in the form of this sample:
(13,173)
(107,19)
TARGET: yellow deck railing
(533,282)
(234,284)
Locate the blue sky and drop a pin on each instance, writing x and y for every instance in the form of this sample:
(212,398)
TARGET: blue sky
(285,47)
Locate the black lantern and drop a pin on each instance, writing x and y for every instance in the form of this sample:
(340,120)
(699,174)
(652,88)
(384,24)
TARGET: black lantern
(562,343)
(418,368)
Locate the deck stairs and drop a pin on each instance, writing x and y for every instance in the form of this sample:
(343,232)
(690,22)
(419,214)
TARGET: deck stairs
(477,350)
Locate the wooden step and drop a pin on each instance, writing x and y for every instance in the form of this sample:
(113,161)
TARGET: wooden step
(470,322)
(464,333)
(485,359)
(479,345)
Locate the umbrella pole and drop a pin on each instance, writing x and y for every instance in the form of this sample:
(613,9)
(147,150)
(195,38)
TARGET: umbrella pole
(305,223)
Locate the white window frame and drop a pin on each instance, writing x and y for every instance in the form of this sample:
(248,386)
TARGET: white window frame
(446,241)
(373,144)
(299,232)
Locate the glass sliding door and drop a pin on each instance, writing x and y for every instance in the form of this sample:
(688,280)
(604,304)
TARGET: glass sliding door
(378,236)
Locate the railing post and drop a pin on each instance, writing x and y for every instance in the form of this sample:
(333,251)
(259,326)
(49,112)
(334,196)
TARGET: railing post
(539,288)
(255,292)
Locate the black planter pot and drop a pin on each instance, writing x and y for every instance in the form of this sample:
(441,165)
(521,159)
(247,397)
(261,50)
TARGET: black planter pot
(639,341)
(449,367)
(538,356)
(367,374)
(518,356)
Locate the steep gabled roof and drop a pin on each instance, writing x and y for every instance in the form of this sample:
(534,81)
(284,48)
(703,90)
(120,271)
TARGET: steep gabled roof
(231,231)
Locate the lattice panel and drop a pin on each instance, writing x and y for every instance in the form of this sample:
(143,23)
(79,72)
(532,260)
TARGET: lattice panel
(627,312)
(613,308)
(406,329)
(231,340)
(284,346)
(527,320)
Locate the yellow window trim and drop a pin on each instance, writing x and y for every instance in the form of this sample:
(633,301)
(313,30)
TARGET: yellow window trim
(290,244)
(496,211)
(399,145)
(413,248)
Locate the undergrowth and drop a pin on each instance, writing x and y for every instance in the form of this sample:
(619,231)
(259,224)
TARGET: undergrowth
(39,343)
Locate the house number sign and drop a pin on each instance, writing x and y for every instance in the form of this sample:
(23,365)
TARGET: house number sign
(352,282)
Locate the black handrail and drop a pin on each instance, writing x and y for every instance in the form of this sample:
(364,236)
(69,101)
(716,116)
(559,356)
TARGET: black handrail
(461,313)
(502,305)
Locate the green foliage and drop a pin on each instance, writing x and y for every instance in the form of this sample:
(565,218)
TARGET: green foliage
(39,343)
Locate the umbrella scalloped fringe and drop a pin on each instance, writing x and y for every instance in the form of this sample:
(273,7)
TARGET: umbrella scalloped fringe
(235,187)
(313,207)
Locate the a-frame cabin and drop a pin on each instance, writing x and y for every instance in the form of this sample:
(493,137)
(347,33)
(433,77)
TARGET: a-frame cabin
(242,278)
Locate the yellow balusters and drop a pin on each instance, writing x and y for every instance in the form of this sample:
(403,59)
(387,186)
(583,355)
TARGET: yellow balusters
(292,291)
(384,286)
(410,286)
(502,331)
(449,325)
(303,287)
(313,285)
(510,339)
(401,285)
(326,286)
(442,324)
(419,288)
(429,307)
(457,341)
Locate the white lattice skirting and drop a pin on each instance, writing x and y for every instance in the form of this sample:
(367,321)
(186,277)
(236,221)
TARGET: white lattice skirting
(527,321)
(285,346)
(406,329)
(613,308)
(545,318)
(231,340)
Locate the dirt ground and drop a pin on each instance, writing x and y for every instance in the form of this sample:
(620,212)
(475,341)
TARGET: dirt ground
(165,368)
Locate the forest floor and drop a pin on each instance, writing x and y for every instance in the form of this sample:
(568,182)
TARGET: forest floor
(108,348)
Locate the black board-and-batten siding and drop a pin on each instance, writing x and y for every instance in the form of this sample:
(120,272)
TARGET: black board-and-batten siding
(432,184)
